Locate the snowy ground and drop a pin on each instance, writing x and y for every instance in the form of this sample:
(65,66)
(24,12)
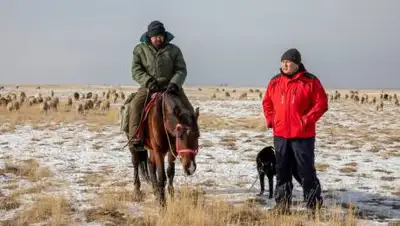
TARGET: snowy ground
(357,156)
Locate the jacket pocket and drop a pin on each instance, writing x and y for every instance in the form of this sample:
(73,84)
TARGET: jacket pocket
(301,125)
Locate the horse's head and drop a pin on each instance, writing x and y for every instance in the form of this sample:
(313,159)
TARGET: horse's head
(182,125)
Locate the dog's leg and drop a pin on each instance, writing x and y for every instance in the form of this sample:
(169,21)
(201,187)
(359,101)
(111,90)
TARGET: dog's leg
(271,185)
(261,175)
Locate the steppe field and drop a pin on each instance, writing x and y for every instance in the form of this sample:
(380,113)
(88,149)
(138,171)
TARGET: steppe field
(62,162)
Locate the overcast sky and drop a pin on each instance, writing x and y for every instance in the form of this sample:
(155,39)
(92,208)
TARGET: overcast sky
(346,43)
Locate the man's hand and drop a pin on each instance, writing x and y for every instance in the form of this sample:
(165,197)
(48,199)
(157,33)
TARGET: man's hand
(153,85)
(172,89)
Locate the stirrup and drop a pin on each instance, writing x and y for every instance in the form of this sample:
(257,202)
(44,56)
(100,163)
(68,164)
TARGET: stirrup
(139,147)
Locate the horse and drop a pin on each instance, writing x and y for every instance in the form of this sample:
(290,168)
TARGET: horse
(169,128)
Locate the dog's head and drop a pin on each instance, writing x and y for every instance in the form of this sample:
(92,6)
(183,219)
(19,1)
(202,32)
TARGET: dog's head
(266,160)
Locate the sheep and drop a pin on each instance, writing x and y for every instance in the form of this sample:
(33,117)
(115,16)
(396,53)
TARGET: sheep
(105,105)
(69,102)
(115,97)
(379,106)
(76,96)
(10,106)
(3,101)
(80,109)
(22,95)
(44,107)
(373,100)
(13,105)
(95,97)
(243,96)
(32,101)
(53,104)
(88,104)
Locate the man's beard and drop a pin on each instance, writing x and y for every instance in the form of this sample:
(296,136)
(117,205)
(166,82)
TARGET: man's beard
(158,44)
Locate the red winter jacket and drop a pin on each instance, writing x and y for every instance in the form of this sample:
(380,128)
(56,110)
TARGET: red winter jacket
(293,106)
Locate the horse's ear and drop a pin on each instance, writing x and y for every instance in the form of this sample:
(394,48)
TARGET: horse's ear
(197,112)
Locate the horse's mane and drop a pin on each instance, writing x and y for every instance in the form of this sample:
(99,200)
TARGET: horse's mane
(185,115)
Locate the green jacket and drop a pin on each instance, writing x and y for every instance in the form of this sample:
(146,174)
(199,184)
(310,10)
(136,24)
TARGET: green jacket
(166,65)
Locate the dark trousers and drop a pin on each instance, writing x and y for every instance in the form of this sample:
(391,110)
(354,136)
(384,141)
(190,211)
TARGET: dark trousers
(299,153)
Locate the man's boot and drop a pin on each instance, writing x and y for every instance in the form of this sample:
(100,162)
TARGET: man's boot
(137,140)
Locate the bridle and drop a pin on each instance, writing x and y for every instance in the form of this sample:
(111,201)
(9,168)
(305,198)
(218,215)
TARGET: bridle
(178,128)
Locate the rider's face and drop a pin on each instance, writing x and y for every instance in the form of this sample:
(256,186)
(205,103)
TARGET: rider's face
(288,67)
(157,41)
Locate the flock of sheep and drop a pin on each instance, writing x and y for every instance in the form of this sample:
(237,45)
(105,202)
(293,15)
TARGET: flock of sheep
(355,96)
(82,102)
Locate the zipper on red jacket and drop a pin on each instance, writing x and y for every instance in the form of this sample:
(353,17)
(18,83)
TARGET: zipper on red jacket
(287,99)
(294,94)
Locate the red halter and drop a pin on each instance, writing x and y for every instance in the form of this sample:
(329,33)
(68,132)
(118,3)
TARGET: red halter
(187,150)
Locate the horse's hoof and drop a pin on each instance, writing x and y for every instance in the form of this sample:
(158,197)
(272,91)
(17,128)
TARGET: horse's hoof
(138,196)
(171,191)
(260,194)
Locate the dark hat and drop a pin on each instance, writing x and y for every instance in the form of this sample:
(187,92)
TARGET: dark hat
(292,55)
(155,28)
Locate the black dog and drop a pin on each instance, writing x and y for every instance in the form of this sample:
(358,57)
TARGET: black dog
(266,163)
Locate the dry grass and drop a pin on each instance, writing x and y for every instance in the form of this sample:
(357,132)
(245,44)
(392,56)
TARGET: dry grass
(348,169)
(9,203)
(114,198)
(215,122)
(192,207)
(28,169)
(35,189)
(321,167)
(229,142)
(351,164)
(396,193)
(50,209)
(93,179)
(388,178)
(113,207)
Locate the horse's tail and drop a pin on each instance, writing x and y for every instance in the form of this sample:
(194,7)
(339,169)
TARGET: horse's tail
(143,167)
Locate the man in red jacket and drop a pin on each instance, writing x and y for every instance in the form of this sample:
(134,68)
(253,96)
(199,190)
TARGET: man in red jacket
(293,103)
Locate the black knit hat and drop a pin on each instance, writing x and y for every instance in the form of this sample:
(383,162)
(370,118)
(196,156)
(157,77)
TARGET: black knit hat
(292,55)
(155,28)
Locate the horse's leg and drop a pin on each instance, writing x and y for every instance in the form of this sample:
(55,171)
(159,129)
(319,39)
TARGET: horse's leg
(152,171)
(171,174)
(161,177)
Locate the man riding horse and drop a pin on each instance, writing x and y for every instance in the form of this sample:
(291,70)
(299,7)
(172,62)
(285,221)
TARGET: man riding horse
(157,65)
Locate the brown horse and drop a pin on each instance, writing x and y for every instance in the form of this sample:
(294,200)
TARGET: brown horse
(171,129)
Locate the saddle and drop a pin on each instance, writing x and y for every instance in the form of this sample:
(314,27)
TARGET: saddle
(154,97)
